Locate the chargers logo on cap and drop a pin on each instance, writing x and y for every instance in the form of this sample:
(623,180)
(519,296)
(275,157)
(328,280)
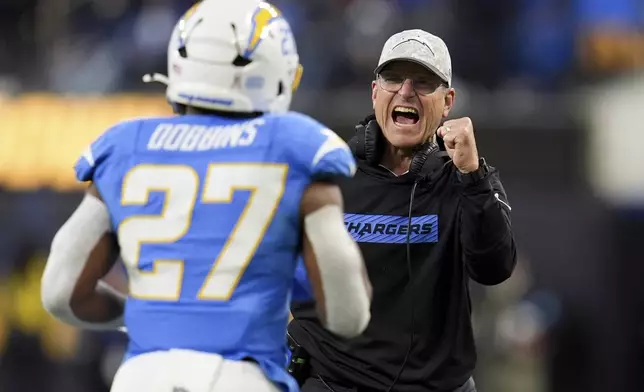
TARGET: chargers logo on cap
(264,15)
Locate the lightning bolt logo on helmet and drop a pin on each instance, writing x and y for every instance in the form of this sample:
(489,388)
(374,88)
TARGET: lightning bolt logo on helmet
(264,15)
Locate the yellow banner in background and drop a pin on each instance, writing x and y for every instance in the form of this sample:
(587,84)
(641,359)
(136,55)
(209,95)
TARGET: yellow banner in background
(42,135)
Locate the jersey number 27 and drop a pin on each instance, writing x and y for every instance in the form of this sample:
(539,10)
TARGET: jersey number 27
(180,185)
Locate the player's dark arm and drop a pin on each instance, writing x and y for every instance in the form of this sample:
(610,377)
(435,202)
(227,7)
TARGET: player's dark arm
(82,252)
(486,232)
(334,263)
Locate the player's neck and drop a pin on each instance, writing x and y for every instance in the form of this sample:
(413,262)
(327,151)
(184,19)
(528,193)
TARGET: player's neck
(221,113)
(397,160)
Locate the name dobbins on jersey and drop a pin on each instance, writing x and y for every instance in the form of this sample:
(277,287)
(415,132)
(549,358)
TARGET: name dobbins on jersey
(191,137)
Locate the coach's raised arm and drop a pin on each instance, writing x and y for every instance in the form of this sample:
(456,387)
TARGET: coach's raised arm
(428,214)
(488,245)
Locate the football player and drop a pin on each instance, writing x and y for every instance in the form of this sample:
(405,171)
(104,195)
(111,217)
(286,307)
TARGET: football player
(209,211)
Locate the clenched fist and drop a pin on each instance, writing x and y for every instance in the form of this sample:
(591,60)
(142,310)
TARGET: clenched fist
(460,144)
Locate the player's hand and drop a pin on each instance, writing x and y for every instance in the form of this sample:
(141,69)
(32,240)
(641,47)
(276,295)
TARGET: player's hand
(460,144)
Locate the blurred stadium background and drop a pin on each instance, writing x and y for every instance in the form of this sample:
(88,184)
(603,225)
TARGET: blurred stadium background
(556,92)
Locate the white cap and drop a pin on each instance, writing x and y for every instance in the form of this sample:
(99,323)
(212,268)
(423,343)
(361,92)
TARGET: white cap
(420,47)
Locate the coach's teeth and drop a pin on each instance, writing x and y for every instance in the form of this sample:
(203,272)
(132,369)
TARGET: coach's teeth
(405,110)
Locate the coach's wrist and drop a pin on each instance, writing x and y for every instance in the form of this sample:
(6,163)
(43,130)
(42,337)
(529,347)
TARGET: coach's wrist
(474,176)
(470,168)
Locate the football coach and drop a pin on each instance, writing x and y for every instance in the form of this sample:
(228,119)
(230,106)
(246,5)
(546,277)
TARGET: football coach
(428,214)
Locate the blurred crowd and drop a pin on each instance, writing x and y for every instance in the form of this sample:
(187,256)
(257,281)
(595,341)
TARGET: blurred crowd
(557,325)
(106,45)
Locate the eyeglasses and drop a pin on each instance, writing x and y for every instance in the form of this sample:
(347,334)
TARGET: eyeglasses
(393,82)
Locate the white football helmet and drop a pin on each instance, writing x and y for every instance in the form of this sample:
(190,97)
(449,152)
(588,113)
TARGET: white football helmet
(232,55)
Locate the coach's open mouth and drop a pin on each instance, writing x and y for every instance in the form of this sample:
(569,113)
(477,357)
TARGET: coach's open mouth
(405,115)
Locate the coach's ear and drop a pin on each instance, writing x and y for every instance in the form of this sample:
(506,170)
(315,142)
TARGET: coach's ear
(450,95)
(374,94)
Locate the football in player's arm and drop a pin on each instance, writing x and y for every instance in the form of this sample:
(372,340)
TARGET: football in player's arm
(82,253)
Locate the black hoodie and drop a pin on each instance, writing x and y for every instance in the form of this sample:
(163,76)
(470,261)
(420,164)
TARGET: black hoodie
(420,331)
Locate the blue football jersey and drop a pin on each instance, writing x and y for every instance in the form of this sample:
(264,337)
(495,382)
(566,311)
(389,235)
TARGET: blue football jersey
(206,210)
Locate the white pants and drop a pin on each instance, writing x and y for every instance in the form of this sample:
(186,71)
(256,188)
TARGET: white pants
(189,371)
